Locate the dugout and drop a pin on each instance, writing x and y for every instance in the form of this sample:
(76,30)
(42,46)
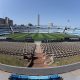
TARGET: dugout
(29,39)
(72,39)
(51,40)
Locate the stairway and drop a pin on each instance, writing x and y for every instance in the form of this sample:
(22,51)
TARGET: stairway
(38,61)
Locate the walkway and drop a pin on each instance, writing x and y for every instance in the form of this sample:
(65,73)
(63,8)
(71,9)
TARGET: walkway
(39,61)
(73,75)
(4,75)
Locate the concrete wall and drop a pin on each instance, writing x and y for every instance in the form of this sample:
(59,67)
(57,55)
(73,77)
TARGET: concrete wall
(40,71)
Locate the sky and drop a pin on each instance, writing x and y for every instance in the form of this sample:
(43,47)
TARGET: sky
(58,12)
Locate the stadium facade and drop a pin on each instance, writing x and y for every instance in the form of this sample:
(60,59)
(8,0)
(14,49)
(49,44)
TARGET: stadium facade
(6,21)
(7,27)
(35,29)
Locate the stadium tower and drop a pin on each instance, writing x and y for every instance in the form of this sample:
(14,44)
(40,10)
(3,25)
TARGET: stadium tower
(38,21)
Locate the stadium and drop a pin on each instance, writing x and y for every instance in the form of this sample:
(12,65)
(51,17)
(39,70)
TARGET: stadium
(38,52)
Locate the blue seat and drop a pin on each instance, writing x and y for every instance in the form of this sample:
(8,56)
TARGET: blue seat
(38,78)
(18,77)
(25,77)
(55,77)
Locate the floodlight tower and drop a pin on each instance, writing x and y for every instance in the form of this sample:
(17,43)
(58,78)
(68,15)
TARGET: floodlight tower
(38,22)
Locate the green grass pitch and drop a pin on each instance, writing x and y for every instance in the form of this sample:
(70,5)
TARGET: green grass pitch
(38,36)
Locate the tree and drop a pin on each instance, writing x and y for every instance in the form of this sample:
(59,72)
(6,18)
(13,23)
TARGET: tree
(29,24)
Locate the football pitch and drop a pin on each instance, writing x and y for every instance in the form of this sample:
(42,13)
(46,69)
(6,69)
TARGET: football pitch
(38,36)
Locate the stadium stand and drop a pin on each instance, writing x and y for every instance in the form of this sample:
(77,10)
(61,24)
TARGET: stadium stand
(51,40)
(60,49)
(2,38)
(5,30)
(26,50)
(9,39)
(29,39)
(72,39)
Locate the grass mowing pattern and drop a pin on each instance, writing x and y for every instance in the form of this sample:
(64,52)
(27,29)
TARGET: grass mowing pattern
(58,36)
(39,36)
(12,60)
(18,36)
(48,36)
